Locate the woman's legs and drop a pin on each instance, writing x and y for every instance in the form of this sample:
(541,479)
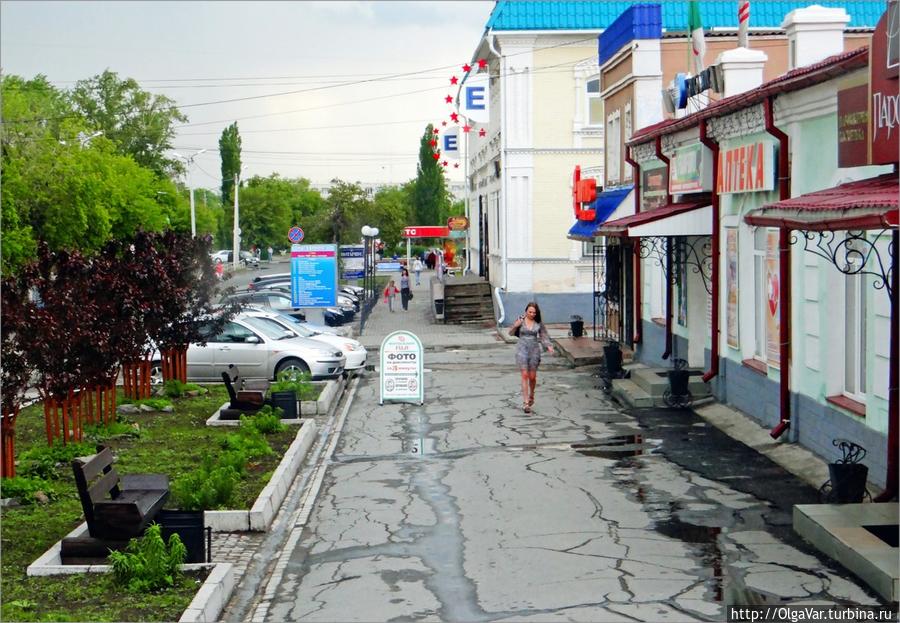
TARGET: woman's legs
(525,382)
(532,381)
(404,298)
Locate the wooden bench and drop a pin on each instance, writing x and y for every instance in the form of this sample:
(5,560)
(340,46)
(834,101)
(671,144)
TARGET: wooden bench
(117,507)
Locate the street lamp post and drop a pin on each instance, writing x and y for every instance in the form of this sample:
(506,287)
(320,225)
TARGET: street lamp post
(236,240)
(369,234)
(189,161)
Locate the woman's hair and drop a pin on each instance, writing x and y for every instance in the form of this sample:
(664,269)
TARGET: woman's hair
(403,270)
(537,310)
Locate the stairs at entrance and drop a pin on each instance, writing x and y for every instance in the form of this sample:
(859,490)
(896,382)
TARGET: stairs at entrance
(467,299)
(646,386)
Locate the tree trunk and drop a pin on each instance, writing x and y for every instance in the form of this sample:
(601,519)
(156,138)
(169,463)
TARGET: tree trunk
(8,441)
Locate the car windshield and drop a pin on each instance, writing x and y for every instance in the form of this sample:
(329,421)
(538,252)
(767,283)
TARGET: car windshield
(268,327)
(296,325)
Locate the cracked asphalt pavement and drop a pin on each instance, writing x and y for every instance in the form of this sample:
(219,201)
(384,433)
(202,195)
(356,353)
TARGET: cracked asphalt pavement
(468,509)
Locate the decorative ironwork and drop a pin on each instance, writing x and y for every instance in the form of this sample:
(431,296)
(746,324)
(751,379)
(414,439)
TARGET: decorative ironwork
(852,253)
(848,476)
(850,452)
(693,252)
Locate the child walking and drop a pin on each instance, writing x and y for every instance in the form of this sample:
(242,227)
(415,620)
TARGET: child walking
(390,292)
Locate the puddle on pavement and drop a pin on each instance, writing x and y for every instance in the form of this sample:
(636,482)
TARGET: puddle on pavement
(612,448)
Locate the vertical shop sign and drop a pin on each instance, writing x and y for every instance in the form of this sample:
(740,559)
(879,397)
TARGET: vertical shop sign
(884,65)
(402,368)
(690,170)
(654,185)
(773,289)
(731,286)
(853,126)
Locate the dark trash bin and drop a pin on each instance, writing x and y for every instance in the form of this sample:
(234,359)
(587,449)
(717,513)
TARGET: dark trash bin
(577,326)
(188,525)
(848,482)
(287,402)
(612,354)
(439,307)
(678,382)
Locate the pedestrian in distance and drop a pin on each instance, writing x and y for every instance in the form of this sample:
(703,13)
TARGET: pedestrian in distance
(532,335)
(270,253)
(405,292)
(220,269)
(417,268)
(390,292)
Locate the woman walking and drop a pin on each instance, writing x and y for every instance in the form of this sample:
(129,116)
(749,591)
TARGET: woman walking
(389,293)
(405,292)
(417,268)
(532,335)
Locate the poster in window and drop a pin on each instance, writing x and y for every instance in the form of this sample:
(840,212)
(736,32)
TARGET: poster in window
(731,286)
(773,291)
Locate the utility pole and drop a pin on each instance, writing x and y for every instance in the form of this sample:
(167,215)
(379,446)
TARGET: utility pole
(235,256)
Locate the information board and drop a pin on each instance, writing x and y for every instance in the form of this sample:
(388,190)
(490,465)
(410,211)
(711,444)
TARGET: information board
(314,272)
(353,261)
(402,368)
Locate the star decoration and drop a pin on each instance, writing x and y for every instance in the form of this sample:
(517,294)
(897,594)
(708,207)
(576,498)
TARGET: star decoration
(482,63)
(467,68)
(433,143)
(454,80)
(449,99)
(436,131)
(455,165)
(444,163)
(443,123)
(467,127)
(454,117)
(436,156)
(482,132)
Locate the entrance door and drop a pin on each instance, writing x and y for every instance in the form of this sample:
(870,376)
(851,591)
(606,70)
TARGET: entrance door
(628,293)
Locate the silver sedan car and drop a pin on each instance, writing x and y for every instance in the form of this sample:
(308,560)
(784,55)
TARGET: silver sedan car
(259,351)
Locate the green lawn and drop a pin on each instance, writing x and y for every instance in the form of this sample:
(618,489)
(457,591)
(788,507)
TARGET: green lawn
(169,443)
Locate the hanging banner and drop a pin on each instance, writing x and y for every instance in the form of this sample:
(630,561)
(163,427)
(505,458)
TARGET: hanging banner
(450,143)
(402,369)
(773,292)
(690,170)
(731,286)
(475,98)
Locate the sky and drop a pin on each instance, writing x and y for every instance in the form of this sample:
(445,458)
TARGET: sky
(200,53)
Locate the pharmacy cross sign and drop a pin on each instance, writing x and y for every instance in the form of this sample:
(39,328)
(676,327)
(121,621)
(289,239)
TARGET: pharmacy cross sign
(295,235)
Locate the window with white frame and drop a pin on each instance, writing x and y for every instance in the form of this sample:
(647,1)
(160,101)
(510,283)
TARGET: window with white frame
(594,103)
(855,337)
(613,147)
(760,292)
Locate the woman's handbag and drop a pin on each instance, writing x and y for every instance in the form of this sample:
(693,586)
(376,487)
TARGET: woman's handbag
(410,295)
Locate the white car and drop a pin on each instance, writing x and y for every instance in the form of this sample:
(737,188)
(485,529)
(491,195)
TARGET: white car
(354,351)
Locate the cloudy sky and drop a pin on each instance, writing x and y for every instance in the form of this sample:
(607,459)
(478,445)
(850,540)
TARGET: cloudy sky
(290,58)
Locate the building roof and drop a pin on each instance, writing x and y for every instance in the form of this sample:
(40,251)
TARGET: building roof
(794,80)
(619,227)
(864,204)
(596,14)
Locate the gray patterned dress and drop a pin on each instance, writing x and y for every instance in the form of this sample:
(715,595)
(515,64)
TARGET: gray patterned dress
(528,350)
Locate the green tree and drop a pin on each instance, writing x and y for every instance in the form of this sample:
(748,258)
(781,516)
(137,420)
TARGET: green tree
(140,124)
(429,197)
(266,210)
(337,222)
(230,152)
(390,212)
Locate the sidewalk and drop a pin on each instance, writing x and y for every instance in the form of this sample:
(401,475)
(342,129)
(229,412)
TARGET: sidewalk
(420,320)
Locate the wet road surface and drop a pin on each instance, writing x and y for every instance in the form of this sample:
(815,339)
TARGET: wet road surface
(468,509)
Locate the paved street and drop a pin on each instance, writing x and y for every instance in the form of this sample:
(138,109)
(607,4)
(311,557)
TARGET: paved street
(468,509)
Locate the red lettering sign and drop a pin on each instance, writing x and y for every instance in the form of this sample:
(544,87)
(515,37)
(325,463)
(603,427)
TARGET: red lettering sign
(426,231)
(584,191)
(747,168)
(884,97)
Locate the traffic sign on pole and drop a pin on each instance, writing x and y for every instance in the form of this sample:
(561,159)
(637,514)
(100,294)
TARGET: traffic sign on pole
(295,235)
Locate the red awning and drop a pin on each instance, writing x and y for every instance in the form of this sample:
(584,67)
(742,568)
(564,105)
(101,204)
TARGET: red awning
(864,204)
(619,227)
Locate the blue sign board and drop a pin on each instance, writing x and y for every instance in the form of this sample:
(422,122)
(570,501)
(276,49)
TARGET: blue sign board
(314,272)
(388,267)
(353,258)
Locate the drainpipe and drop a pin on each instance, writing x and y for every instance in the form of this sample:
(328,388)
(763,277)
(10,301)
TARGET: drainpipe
(784,271)
(714,347)
(665,159)
(639,286)
(890,491)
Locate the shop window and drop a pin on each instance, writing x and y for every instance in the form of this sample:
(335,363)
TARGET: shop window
(594,103)
(760,294)
(855,337)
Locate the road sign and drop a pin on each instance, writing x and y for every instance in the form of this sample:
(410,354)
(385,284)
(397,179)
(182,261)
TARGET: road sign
(402,368)
(458,223)
(295,234)
(426,231)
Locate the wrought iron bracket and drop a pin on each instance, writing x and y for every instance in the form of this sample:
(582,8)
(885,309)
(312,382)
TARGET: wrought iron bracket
(852,253)
(696,254)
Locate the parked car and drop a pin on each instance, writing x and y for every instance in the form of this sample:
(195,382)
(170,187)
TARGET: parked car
(352,349)
(281,301)
(259,351)
(225,256)
(312,326)
(344,304)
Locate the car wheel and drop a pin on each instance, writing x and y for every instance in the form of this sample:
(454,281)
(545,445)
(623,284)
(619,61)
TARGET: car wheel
(156,373)
(294,368)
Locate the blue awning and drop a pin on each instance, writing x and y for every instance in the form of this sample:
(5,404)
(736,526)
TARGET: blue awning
(605,204)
